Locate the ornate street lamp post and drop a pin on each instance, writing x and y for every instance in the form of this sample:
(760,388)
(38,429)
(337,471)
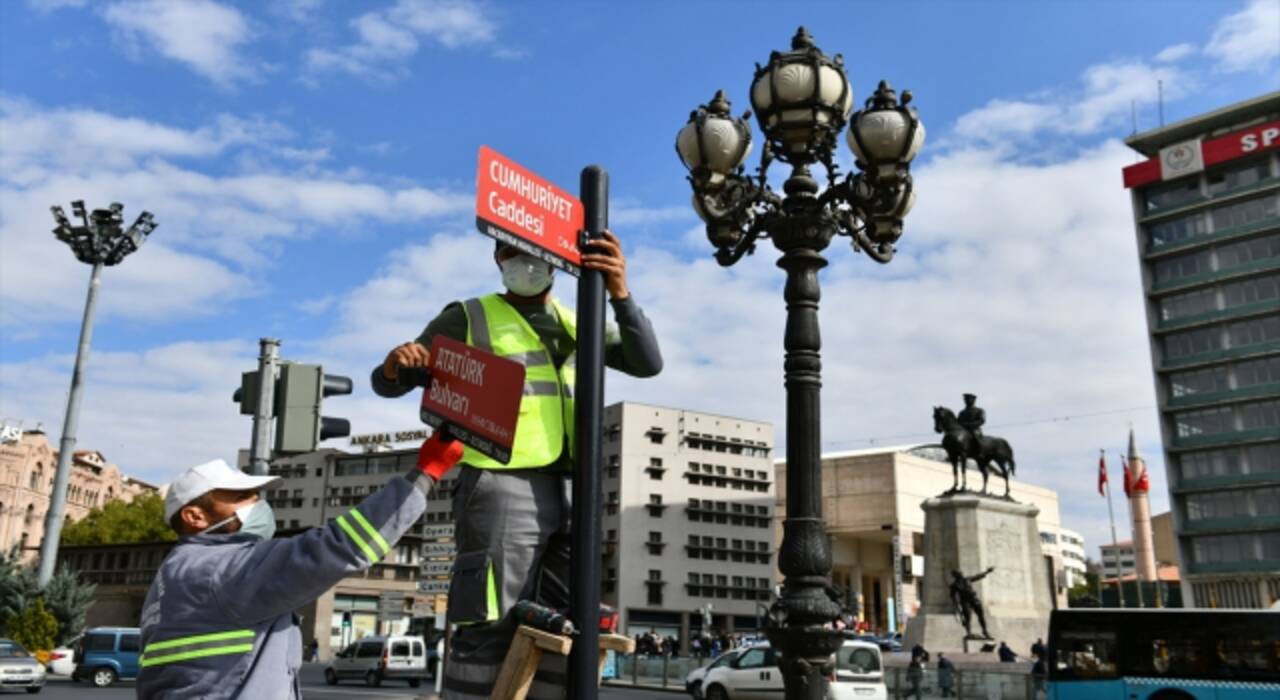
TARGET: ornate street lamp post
(98,240)
(802,102)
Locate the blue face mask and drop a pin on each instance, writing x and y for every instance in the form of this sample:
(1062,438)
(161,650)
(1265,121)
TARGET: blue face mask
(257,518)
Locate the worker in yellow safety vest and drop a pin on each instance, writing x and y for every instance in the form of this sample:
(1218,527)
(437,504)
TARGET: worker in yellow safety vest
(512,520)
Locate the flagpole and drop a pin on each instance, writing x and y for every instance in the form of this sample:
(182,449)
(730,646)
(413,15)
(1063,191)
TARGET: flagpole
(1128,497)
(1114,551)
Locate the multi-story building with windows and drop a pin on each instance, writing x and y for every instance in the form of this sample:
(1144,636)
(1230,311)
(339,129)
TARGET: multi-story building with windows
(27,465)
(688,521)
(1207,211)
(1117,560)
(1071,550)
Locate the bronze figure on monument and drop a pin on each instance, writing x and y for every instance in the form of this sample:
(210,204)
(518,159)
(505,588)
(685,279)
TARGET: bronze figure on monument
(963,440)
(966,601)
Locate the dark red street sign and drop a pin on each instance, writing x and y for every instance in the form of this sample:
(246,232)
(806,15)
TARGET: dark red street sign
(477,394)
(519,208)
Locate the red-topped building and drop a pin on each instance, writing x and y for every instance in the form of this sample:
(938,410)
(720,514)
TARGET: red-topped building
(1207,209)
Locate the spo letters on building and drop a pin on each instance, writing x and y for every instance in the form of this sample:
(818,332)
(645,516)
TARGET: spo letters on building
(1195,155)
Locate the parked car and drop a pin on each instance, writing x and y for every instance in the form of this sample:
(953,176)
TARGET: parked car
(108,654)
(754,674)
(859,673)
(62,660)
(19,668)
(375,659)
(693,681)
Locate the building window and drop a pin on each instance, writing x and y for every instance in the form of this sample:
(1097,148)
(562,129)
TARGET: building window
(1210,421)
(1252,291)
(1179,229)
(1220,549)
(1263,414)
(1245,252)
(1172,194)
(1254,331)
(1256,372)
(1181,266)
(1192,342)
(1188,304)
(1204,381)
(1245,213)
(1236,176)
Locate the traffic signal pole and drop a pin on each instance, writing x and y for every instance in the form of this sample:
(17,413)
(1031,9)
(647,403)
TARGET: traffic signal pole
(260,444)
(584,569)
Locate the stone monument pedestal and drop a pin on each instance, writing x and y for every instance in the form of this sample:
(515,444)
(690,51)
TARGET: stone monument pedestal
(969,533)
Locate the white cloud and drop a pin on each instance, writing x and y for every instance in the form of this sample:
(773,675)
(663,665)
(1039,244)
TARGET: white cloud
(51,5)
(1175,53)
(388,38)
(216,231)
(1248,39)
(1104,98)
(202,34)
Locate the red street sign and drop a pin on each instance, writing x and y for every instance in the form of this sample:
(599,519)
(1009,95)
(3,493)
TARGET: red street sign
(521,209)
(477,394)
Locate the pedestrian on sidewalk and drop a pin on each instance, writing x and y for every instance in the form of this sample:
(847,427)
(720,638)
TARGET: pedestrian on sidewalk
(946,676)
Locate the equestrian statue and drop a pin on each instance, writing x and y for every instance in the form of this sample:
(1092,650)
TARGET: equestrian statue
(963,440)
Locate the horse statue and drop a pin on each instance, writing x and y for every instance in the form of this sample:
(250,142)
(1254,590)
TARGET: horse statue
(960,446)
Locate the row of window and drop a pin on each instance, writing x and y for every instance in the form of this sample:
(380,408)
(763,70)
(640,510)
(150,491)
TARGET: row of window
(1225,297)
(1255,415)
(1240,334)
(1202,223)
(1236,549)
(727,482)
(1225,377)
(722,444)
(1219,258)
(1241,503)
(1187,190)
(735,472)
(1229,461)
(375,465)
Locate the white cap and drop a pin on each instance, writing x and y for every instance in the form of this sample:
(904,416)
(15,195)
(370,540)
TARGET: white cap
(210,476)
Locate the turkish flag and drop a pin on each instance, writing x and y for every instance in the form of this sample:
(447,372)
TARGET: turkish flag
(1102,474)
(1128,478)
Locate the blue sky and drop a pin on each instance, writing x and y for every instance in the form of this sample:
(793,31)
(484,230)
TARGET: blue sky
(311,165)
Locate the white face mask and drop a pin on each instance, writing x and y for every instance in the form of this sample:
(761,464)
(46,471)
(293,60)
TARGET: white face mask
(526,275)
(257,518)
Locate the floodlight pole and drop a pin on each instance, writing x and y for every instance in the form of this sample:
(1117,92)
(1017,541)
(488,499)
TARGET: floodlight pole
(66,448)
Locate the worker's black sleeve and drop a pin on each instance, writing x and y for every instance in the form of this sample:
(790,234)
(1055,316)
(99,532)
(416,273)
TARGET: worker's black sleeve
(635,348)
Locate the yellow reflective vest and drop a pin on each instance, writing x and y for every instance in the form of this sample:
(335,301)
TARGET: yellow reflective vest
(546,419)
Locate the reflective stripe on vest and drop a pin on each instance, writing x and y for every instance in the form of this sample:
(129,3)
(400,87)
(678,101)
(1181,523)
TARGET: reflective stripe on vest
(369,530)
(546,409)
(197,647)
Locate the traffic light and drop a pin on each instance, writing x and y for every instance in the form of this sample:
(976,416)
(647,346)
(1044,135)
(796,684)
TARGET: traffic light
(300,390)
(247,394)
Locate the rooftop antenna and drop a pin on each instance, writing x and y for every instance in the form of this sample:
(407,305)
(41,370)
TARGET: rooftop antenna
(1160,100)
(1133,114)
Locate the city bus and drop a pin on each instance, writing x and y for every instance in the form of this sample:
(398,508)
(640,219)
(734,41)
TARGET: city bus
(1164,654)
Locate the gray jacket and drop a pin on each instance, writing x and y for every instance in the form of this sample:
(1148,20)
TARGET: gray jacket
(218,621)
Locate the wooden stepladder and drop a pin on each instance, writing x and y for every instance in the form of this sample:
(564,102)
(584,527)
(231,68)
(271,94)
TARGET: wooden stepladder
(526,652)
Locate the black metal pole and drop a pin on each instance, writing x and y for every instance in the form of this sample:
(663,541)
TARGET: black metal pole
(800,621)
(584,568)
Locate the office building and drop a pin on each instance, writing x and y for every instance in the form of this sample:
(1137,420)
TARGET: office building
(1071,549)
(1118,560)
(1206,206)
(688,520)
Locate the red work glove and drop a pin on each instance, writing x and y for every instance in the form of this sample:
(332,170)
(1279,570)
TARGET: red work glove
(438,455)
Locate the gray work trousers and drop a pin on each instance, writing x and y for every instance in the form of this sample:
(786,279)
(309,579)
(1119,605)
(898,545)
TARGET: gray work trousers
(512,529)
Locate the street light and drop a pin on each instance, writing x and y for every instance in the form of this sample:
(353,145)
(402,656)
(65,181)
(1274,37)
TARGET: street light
(97,240)
(802,101)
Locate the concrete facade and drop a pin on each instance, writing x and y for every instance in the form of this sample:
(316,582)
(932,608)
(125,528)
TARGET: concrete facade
(1118,560)
(27,466)
(688,520)
(1206,209)
(872,497)
(1071,548)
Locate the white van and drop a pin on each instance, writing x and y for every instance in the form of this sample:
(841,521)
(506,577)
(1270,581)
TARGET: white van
(375,659)
(753,675)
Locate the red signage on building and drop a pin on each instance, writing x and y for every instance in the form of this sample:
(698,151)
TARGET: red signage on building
(1192,156)
(521,209)
(477,394)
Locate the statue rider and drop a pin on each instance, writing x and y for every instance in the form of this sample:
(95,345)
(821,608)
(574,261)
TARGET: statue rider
(966,601)
(972,418)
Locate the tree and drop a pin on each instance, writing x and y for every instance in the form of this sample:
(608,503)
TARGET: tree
(34,627)
(118,522)
(68,599)
(19,587)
